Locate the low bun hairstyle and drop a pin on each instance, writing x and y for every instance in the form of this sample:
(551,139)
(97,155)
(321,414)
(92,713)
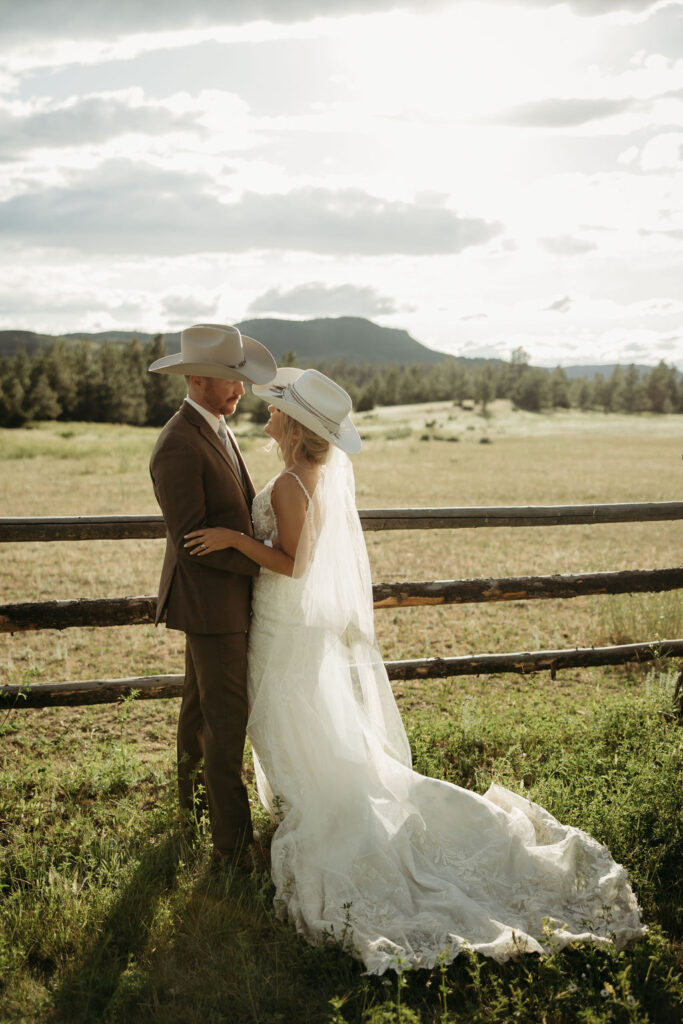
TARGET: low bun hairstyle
(301,442)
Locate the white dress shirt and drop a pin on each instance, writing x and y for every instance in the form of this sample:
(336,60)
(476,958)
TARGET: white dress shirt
(214,422)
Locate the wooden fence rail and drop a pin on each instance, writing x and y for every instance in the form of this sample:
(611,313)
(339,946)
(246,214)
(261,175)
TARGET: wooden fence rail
(52,528)
(135,610)
(107,691)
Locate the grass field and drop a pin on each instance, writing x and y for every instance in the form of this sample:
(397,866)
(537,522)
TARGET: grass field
(106,914)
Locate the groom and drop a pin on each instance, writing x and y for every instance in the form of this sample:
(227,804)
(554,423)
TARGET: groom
(200,480)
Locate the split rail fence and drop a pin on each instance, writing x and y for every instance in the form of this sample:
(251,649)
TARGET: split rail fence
(138,610)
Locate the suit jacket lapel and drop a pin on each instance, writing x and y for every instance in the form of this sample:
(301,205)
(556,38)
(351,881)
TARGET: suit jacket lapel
(248,486)
(212,437)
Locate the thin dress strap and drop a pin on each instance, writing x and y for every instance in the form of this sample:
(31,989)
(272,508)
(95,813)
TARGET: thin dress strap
(301,485)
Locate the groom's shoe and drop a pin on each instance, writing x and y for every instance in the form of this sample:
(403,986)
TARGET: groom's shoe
(223,861)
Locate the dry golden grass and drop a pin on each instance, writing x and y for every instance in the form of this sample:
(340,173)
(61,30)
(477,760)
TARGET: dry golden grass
(103,923)
(564,458)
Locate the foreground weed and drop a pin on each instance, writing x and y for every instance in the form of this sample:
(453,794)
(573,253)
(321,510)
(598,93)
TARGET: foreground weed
(637,618)
(108,915)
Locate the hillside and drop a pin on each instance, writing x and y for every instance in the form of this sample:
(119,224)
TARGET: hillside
(352,338)
(29,341)
(603,370)
(345,337)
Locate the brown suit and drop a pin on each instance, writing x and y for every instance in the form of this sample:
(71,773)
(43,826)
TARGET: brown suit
(209,598)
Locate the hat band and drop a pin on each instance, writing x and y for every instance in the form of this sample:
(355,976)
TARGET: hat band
(209,357)
(289,392)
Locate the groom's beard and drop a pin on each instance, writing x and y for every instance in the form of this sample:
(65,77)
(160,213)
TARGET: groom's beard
(230,407)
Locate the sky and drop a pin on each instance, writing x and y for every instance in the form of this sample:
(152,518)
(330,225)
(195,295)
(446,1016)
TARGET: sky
(483,175)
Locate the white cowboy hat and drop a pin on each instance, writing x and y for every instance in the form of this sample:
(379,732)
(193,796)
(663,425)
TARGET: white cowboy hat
(213,350)
(311,398)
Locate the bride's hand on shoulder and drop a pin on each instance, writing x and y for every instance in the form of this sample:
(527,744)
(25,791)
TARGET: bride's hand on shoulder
(210,538)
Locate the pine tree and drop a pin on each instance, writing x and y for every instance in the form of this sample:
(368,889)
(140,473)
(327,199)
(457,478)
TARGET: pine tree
(387,392)
(59,371)
(484,389)
(616,391)
(679,392)
(20,368)
(87,378)
(12,398)
(531,392)
(584,395)
(559,389)
(634,394)
(366,398)
(121,391)
(42,402)
(601,393)
(163,391)
(660,388)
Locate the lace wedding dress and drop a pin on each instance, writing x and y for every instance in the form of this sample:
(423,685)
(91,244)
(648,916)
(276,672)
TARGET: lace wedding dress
(397,867)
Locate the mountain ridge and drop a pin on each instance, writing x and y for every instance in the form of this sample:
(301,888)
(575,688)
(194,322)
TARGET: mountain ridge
(354,339)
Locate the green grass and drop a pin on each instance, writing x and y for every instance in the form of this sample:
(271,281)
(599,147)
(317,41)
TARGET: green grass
(108,915)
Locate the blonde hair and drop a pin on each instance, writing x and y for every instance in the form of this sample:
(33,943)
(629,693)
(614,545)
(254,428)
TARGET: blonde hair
(302,443)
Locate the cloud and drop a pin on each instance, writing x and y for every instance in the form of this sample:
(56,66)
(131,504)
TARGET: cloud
(567,245)
(676,234)
(663,152)
(55,19)
(77,306)
(74,19)
(317,299)
(182,307)
(560,113)
(124,207)
(90,120)
(562,305)
(594,8)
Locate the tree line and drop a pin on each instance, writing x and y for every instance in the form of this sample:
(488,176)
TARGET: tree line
(110,383)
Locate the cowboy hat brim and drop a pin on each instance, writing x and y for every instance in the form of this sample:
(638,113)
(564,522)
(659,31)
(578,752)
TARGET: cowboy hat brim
(347,438)
(259,365)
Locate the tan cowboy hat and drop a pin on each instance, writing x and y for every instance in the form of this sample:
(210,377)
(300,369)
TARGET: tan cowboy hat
(214,350)
(311,398)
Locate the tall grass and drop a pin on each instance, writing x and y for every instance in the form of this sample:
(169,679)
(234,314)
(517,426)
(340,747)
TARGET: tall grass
(102,469)
(634,617)
(108,914)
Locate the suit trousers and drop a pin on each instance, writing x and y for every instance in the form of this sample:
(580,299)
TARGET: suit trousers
(212,726)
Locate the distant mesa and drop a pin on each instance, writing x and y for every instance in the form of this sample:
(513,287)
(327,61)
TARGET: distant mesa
(354,339)
(350,338)
(345,337)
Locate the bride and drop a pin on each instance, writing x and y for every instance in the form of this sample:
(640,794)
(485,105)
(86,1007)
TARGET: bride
(400,869)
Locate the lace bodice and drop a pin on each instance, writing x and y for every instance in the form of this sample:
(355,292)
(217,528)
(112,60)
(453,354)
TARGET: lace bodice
(262,512)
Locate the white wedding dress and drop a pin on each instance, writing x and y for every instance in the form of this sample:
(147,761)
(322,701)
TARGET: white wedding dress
(399,868)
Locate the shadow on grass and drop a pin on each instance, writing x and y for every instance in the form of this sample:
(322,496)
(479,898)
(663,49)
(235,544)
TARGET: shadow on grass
(226,957)
(90,984)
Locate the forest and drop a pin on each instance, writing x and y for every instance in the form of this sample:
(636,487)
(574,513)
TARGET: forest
(82,381)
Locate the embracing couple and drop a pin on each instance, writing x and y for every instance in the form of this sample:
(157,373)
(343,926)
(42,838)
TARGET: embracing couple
(274,595)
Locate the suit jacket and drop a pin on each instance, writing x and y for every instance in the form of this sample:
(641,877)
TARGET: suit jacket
(196,485)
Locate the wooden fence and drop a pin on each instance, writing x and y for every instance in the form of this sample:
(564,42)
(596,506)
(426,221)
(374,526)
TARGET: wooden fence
(135,610)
